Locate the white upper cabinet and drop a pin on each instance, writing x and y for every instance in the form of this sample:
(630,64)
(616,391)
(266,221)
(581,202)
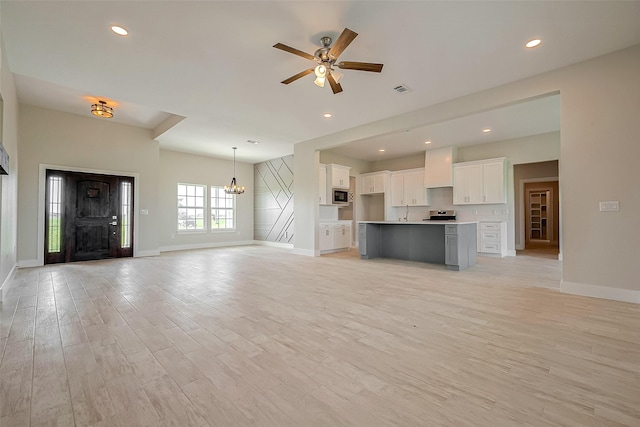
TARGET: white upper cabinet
(407,188)
(338,175)
(494,182)
(322,184)
(397,189)
(373,183)
(480,182)
(467,187)
(438,167)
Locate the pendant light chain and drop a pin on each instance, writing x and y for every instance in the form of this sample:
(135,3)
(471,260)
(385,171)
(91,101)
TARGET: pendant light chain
(234,188)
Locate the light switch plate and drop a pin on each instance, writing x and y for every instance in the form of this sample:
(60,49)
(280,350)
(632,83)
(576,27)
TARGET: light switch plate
(144,211)
(609,206)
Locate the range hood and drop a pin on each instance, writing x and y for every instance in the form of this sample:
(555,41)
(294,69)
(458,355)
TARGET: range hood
(438,167)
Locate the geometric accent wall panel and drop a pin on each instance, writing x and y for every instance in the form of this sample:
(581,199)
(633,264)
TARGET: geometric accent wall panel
(273,200)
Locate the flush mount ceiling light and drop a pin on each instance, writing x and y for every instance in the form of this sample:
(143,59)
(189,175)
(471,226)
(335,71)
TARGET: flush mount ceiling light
(486,130)
(121,31)
(234,188)
(533,43)
(253,141)
(327,115)
(427,142)
(101,109)
(381,150)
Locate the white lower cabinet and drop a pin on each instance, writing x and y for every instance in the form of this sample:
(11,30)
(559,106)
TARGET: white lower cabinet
(493,238)
(342,236)
(334,236)
(326,236)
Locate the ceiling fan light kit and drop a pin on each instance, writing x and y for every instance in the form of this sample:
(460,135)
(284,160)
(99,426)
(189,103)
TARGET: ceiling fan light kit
(326,58)
(321,73)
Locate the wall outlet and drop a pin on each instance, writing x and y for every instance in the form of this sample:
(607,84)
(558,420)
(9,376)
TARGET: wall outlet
(609,206)
(144,211)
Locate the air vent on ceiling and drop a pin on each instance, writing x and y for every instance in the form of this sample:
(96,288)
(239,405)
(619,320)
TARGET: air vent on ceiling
(401,88)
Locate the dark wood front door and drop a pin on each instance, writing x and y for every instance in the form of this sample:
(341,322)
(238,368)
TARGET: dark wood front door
(94,217)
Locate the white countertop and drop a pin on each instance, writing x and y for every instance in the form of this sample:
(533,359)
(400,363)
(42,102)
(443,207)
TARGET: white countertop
(430,222)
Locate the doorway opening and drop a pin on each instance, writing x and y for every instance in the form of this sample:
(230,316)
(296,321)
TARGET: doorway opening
(88,216)
(538,210)
(541,219)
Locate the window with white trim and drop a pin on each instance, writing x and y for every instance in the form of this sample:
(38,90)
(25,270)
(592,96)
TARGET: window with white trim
(223,209)
(191,207)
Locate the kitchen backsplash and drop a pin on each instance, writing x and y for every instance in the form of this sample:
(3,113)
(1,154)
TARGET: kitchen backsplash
(442,198)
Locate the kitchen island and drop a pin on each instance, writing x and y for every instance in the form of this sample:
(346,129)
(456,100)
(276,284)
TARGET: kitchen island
(453,243)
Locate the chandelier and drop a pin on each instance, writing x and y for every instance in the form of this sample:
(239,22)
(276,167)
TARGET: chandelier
(234,188)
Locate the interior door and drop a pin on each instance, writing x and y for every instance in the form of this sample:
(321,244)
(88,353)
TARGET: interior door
(539,215)
(95,221)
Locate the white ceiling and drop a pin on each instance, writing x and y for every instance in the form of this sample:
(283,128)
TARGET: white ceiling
(515,121)
(213,63)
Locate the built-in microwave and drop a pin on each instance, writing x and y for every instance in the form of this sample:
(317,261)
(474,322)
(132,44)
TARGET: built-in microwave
(340,197)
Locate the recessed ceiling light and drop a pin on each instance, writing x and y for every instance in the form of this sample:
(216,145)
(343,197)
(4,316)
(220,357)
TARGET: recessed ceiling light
(533,43)
(381,150)
(121,31)
(252,141)
(427,142)
(486,130)
(327,115)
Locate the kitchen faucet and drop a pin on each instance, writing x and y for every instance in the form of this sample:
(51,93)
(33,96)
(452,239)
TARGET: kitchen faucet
(406,215)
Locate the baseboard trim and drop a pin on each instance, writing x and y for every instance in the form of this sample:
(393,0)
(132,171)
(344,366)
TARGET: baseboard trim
(305,252)
(28,263)
(511,252)
(208,245)
(605,292)
(140,254)
(7,282)
(333,251)
(274,244)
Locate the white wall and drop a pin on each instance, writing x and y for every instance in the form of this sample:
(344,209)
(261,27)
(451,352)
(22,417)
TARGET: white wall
(599,152)
(186,168)
(83,143)
(357,166)
(9,183)
(273,215)
(399,163)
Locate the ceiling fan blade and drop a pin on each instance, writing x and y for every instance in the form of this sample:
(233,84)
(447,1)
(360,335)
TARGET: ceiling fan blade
(362,66)
(294,51)
(335,86)
(341,44)
(297,76)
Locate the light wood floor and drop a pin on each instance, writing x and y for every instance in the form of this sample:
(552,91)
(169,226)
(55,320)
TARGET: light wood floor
(256,336)
(542,250)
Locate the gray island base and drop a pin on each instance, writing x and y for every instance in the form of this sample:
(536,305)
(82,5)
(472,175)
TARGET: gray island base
(451,243)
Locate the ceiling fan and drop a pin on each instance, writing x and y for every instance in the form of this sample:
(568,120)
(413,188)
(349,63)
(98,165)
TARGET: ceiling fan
(326,58)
